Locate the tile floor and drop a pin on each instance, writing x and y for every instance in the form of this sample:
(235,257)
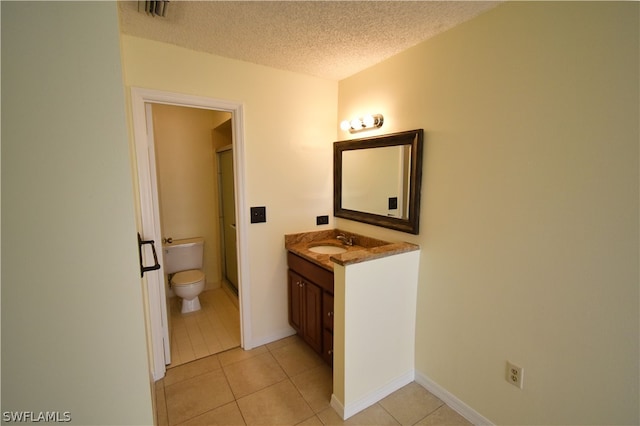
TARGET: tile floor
(212,329)
(282,383)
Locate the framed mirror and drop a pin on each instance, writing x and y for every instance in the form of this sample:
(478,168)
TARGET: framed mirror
(377,180)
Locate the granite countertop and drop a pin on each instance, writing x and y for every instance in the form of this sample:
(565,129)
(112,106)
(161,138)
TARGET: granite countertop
(363,249)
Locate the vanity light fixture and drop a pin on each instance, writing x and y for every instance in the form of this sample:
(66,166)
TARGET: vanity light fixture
(367,122)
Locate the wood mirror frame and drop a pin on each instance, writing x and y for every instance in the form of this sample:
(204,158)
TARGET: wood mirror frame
(414,138)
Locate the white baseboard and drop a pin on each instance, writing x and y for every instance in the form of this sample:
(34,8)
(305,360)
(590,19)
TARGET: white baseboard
(451,400)
(337,405)
(372,397)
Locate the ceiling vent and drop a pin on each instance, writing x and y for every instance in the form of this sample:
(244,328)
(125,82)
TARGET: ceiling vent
(154,8)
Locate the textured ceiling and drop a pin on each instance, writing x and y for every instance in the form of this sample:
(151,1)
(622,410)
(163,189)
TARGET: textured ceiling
(329,39)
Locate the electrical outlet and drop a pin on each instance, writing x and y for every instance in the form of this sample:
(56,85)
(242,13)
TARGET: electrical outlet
(514,375)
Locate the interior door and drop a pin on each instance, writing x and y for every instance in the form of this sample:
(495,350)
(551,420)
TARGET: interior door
(228,216)
(157,279)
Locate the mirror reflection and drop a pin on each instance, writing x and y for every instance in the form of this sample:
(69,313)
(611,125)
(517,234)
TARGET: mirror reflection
(377,180)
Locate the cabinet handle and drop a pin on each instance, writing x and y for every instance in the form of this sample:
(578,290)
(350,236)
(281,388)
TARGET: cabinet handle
(330,351)
(329,314)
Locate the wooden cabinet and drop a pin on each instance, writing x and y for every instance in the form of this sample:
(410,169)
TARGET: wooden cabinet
(327,327)
(305,314)
(310,290)
(295,301)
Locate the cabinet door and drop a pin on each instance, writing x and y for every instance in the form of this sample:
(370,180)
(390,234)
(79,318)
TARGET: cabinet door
(327,320)
(327,350)
(312,314)
(295,301)
(327,311)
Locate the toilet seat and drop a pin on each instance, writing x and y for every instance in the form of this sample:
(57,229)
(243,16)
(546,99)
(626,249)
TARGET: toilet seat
(187,277)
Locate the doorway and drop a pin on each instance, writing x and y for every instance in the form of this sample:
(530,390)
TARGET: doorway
(185,141)
(227,217)
(154,289)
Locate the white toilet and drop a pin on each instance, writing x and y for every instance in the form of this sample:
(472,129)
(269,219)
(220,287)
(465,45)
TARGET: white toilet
(183,262)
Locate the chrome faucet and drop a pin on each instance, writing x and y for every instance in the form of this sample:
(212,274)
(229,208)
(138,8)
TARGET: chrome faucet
(348,241)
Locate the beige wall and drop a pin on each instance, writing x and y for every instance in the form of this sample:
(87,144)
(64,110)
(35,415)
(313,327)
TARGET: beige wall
(73,335)
(187,179)
(290,122)
(529,223)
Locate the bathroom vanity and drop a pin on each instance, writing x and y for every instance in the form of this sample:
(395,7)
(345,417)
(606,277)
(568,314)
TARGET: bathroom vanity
(311,304)
(364,294)
(310,282)
(353,298)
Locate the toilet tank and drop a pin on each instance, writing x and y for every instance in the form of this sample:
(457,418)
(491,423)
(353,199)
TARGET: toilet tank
(182,255)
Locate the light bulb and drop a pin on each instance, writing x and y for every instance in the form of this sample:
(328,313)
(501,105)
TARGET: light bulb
(356,124)
(345,125)
(368,120)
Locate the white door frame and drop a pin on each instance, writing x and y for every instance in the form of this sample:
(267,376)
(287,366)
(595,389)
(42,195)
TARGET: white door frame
(149,210)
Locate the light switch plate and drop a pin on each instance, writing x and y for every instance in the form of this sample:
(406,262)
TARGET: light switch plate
(322,220)
(258,214)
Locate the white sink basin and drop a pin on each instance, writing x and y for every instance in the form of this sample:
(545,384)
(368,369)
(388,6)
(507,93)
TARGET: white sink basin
(327,249)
